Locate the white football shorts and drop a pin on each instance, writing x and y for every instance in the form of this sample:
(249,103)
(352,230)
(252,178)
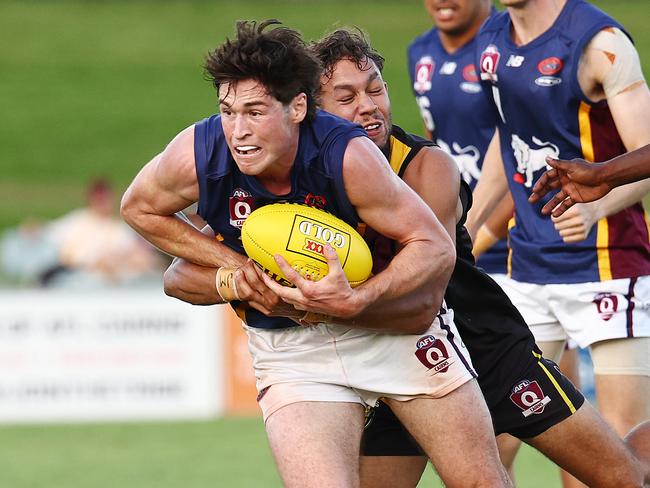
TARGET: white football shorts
(584,312)
(330,363)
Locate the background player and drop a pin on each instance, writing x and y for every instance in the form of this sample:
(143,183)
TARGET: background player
(498,339)
(581,181)
(270,145)
(567,82)
(455,115)
(461,120)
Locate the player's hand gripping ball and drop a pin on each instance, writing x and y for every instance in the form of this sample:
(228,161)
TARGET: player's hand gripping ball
(299,233)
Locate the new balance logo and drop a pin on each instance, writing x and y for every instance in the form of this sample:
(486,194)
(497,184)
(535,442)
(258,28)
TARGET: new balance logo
(515,61)
(448,68)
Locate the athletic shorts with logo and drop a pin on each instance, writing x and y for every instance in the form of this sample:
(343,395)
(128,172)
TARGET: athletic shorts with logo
(584,312)
(330,363)
(538,399)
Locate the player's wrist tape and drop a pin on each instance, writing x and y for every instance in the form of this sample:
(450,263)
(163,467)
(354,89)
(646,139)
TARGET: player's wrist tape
(226,286)
(315,318)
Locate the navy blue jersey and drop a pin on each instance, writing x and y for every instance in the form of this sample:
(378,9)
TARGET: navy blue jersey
(227,196)
(543,111)
(460,119)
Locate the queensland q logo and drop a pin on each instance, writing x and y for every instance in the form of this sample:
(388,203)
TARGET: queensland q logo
(529,397)
(606,304)
(423,74)
(489,62)
(240,206)
(432,353)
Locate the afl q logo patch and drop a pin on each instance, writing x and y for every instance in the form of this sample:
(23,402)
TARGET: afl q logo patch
(528,396)
(240,205)
(423,74)
(432,353)
(606,304)
(489,62)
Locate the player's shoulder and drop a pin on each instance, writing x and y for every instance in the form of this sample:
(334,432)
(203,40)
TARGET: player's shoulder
(497,21)
(438,160)
(423,41)
(410,140)
(181,147)
(327,128)
(412,150)
(325,124)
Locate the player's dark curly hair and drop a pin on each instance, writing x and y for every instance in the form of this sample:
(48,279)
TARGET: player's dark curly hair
(278,58)
(345,44)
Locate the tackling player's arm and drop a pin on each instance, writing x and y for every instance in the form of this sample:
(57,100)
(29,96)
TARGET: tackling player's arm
(610,69)
(434,176)
(407,295)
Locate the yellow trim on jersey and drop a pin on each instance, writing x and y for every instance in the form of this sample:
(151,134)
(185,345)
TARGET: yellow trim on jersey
(398,153)
(647,223)
(602,249)
(584,123)
(564,396)
(511,224)
(602,231)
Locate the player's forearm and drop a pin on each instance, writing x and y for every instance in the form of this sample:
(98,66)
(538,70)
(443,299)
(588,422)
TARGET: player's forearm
(621,198)
(495,227)
(407,295)
(410,314)
(486,201)
(628,168)
(191,283)
(177,238)
(491,189)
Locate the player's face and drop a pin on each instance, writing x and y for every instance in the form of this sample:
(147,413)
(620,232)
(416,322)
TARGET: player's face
(454,17)
(360,96)
(261,132)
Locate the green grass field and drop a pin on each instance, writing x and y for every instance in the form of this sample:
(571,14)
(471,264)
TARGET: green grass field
(93,88)
(229,453)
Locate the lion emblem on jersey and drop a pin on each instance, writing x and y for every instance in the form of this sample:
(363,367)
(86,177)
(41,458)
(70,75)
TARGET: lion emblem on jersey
(529,160)
(466,159)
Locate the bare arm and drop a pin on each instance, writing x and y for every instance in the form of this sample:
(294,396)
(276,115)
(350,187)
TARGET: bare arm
(490,190)
(495,227)
(628,167)
(579,181)
(610,68)
(166,185)
(429,166)
(423,265)
(629,101)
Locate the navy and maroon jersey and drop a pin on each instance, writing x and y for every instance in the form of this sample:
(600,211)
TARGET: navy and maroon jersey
(460,119)
(543,111)
(227,196)
(495,334)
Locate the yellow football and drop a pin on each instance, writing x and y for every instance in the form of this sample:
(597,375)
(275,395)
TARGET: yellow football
(298,233)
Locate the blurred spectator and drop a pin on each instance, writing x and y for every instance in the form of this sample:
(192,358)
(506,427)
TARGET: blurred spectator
(26,254)
(95,246)
(88,247)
